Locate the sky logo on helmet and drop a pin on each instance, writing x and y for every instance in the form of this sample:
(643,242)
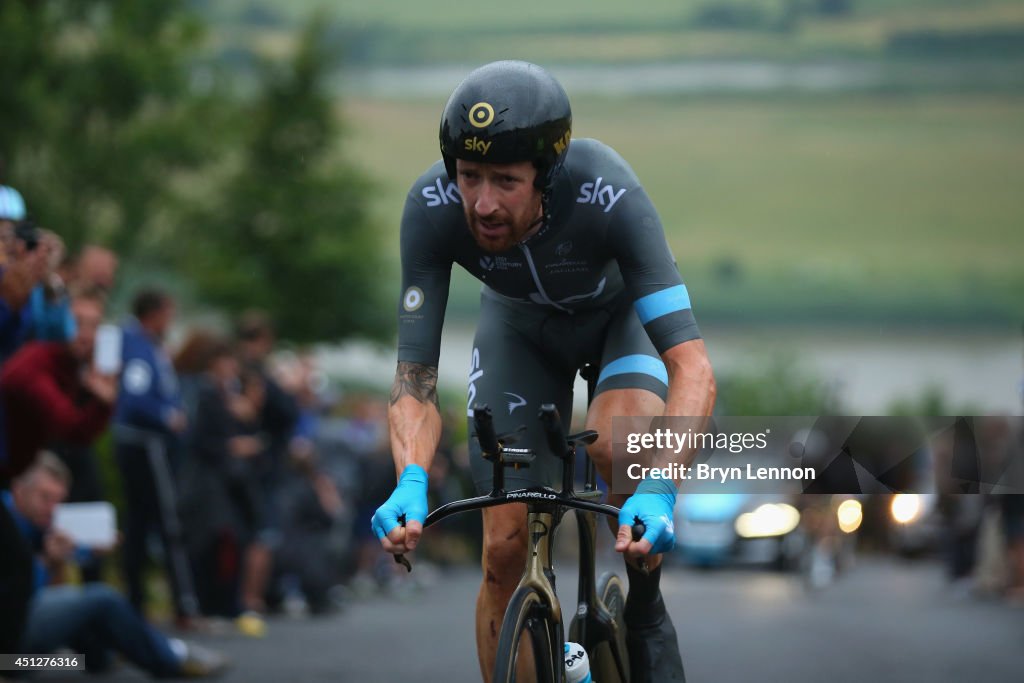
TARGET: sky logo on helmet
(481,115)
(475,144)
(438,194)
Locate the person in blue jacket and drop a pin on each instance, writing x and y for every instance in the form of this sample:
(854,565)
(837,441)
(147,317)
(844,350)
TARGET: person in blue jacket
(92,619)
(148,419)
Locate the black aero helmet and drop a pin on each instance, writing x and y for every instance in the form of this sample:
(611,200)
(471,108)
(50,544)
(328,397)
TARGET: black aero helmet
(506,112)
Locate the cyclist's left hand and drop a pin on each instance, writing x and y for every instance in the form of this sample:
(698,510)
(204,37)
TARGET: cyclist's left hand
(653,504)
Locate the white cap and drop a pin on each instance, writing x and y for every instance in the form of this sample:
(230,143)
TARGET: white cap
(12,206)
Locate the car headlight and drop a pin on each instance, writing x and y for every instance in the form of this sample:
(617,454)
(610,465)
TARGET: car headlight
(906,508)
(770,519)
(849,515)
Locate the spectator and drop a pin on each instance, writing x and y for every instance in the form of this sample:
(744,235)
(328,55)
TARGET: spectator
(277,420)
(92,619)
(147,422)
(24,266)
(12,206)
(48,311)
(50,391)
(190,364)
(317,523)
(219,497)
(15,582)
(95,266)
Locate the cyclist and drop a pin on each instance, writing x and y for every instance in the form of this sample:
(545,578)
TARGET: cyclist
(575,269)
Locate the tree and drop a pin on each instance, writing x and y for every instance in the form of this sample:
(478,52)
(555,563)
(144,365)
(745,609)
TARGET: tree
(776,385)
(117,132)
(290,231)
(97,113)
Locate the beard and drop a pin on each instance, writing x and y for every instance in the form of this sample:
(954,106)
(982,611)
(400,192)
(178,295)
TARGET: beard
(500,232)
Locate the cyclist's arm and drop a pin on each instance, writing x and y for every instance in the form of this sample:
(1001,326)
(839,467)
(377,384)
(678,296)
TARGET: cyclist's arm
(662,303)
(414,416)
(691,392)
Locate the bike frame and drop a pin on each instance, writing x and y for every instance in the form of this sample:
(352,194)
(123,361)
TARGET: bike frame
(593,623)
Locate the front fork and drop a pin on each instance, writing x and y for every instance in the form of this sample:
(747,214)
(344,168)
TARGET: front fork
(593,624)
(540,573)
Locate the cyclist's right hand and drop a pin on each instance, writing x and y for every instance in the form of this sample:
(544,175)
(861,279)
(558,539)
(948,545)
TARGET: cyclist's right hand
(409,500)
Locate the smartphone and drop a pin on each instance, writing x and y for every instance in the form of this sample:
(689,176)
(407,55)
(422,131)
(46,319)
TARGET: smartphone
(106,358)
(93,525)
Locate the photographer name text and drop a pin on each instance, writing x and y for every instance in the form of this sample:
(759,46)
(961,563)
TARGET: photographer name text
(704,472)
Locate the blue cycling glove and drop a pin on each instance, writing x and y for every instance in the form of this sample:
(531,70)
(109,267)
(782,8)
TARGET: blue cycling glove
(653,503)
(409,498)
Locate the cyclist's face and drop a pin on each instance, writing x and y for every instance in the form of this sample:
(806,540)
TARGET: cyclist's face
(502,205)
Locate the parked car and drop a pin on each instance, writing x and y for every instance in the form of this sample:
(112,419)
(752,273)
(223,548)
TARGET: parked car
(728,528)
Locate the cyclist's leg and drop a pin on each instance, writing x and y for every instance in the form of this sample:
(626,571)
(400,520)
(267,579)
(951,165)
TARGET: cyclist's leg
(617,403)
(504,558)
(633,381)
(513,376)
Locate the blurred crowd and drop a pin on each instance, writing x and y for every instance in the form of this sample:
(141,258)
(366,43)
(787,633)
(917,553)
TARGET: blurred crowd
(240,477)
(982,535)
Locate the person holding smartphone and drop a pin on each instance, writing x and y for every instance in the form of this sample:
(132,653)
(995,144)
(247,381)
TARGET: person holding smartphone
(50,390)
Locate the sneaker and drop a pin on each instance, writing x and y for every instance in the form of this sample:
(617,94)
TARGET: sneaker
(200,662)
(652,645)
(251,624)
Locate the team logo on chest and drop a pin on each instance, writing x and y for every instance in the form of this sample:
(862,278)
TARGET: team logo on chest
(490,263)
(603,195)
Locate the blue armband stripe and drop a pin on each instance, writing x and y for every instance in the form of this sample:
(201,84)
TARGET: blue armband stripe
(662,303)
(645,365)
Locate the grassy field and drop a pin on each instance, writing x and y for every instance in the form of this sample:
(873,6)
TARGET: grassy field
(855,207)
(540,15)
(405,31)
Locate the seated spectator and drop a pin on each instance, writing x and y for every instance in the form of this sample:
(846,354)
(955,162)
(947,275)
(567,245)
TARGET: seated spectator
(15,582)
(93,619)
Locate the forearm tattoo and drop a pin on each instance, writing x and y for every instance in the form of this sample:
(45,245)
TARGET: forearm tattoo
(416,380)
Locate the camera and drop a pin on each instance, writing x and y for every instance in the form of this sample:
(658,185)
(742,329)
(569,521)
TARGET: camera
(27,232)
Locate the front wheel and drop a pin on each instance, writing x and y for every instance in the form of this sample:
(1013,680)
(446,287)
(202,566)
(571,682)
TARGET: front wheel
(538,657)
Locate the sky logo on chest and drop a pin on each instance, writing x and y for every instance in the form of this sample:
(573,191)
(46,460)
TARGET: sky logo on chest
(603,195)
(440,194)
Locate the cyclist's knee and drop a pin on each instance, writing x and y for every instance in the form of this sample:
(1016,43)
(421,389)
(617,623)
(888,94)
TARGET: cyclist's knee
(601,453)
(503,562)
(504,553)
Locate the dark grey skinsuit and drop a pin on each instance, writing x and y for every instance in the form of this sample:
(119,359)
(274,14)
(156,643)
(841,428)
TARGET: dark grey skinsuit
(552,303)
